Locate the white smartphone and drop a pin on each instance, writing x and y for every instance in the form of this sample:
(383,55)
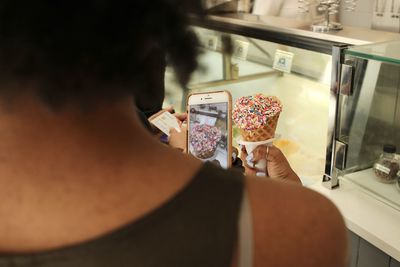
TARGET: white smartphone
(210,127)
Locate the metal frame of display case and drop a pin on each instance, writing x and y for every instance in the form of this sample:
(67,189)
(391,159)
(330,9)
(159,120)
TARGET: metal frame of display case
(296,34)
(330,178)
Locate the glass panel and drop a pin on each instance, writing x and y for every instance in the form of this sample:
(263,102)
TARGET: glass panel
(388,52)
(210,68)
(370,118)
(304,93)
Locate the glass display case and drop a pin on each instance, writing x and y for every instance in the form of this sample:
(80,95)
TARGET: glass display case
(369,118)
(306,82)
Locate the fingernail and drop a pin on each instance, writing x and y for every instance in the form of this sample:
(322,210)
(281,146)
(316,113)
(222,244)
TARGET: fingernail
(250,157)
(260,174)
(262,164)
(234,156)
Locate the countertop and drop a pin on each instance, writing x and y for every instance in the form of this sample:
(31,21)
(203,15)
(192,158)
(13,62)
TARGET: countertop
(366,216)
(293,28)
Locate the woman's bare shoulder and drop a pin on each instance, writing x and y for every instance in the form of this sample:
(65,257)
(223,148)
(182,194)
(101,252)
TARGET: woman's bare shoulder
(294,226)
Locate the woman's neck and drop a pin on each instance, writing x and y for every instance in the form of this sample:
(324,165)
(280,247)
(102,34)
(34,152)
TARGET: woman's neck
(31,132)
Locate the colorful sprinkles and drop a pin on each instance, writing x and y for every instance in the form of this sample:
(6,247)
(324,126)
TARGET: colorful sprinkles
(253,112)
(204,138)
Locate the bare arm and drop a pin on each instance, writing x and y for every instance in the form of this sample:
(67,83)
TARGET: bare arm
(294,226)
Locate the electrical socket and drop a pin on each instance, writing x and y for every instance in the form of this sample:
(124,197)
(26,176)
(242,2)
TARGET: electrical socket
(386,15)
(377,20)
(240,49)
(386,21)
(394,22)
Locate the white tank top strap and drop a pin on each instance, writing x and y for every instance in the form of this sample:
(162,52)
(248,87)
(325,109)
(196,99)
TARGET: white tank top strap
(246,249)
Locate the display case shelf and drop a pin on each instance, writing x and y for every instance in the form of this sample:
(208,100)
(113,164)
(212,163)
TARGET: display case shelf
(369,115)
(388,52)
(387,193)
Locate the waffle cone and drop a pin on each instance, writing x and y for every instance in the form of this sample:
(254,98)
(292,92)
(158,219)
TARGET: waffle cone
(264,133)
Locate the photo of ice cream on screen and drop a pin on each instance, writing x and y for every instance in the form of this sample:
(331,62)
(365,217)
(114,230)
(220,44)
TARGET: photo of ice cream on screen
(208,132)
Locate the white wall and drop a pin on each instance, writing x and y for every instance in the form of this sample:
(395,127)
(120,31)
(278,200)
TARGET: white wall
(361,17)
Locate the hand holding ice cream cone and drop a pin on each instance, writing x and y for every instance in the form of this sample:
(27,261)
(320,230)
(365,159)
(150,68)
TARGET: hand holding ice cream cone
(257,118)
(268,161)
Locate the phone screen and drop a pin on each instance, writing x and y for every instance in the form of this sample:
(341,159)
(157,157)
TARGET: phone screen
(208,132)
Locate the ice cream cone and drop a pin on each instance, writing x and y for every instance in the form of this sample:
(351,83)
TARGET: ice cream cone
(265,132)
(257,117)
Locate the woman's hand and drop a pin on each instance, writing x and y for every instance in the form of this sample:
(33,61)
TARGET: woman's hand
(268,161)
(237,163)
(177,139)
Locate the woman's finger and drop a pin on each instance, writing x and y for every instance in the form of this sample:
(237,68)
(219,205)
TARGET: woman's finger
(181,116)
(170,109)
(235,154)
(259,153)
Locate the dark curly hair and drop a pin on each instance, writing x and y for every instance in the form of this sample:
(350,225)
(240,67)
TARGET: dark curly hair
(76,51)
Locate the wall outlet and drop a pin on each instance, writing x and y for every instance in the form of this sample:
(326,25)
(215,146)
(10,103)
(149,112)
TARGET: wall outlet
(386,21)
(377,20)
(394,22)
(240,49)
(386,15)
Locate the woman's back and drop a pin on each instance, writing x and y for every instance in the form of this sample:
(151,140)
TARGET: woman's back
(65,186)
(196,227)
